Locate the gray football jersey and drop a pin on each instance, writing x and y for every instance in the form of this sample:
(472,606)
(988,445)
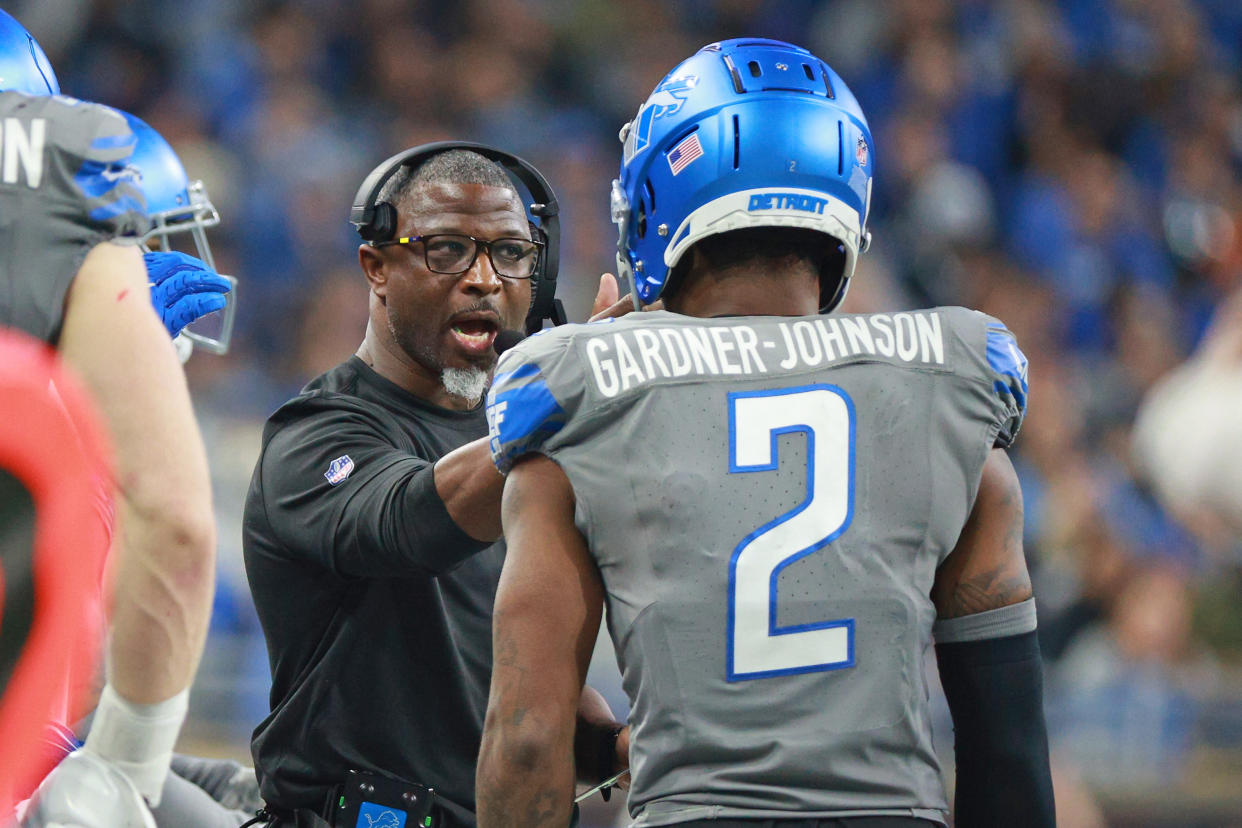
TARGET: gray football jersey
(64,187)
(767,499)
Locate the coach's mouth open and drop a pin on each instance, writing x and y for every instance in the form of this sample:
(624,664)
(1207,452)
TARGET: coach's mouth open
(475,334)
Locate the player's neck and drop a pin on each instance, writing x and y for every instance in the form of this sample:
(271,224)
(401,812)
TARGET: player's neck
(747,290)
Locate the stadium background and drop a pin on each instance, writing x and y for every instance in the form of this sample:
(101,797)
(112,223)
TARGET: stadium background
(1071,166)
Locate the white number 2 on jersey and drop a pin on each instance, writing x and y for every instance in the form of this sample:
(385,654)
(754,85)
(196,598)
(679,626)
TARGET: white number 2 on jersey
(758,647)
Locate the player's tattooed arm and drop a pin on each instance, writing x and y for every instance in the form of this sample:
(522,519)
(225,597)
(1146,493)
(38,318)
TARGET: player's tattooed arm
(994,683)
(499,803)
(548,608)
(987,568)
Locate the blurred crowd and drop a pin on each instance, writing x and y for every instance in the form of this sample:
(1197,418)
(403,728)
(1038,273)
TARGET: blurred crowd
(1073,167)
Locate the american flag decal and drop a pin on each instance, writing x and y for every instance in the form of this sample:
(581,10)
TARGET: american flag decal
(684,153)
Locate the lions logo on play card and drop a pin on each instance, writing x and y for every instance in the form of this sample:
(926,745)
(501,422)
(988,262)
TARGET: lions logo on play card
(339,469)
(377,817)
(667,99)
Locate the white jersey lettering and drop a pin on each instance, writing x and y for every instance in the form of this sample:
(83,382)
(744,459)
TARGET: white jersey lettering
(627,358)
(26,149)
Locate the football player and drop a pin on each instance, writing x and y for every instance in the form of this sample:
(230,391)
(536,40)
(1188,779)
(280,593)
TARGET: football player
(781,510)
(71,214)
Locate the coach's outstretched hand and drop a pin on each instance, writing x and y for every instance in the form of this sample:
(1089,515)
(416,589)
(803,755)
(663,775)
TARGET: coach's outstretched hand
(183,288)
(609,303)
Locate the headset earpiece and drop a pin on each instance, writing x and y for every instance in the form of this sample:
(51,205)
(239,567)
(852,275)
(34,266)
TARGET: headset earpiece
(376,220)
(383,224)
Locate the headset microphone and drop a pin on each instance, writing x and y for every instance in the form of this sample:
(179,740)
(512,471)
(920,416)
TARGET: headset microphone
(506,339)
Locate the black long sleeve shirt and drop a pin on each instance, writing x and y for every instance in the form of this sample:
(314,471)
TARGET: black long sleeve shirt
(375,605)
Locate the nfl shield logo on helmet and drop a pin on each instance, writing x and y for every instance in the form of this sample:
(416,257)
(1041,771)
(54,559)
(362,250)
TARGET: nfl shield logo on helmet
(861,151)
(339,469)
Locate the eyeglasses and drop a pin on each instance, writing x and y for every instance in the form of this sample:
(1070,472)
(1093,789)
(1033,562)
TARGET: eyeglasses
(451,253)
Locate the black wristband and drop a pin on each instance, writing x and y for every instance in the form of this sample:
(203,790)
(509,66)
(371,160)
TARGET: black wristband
(606,758)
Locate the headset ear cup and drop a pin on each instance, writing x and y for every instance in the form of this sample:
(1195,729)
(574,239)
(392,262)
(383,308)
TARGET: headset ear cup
(384,225)
(536,280)
(539,291)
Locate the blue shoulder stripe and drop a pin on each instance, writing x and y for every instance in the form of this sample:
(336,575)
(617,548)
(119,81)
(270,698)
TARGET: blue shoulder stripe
(1008,363)
(522,414)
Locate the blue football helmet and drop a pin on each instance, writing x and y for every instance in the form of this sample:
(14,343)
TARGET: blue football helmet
(177,205)
(746,133)
(23,66)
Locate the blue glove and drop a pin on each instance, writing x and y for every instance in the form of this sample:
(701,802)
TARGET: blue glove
(183,288)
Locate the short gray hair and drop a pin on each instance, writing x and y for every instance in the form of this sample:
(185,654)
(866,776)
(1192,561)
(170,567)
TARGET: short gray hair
(456,166)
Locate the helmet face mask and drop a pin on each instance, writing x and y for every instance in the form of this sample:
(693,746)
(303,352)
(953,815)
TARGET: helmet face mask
(168,231)
(746,133)
(195,218)
(181,212)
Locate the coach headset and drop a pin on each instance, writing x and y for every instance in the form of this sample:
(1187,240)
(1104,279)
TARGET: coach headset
(376,221)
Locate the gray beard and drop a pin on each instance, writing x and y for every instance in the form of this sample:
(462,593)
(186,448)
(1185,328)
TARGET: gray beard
(467,383)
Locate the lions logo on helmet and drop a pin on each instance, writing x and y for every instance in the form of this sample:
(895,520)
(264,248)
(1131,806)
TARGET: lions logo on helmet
(746,133)
(671,94)
(667,99)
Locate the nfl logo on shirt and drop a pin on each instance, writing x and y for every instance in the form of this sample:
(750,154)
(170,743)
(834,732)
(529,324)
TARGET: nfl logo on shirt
(339,469)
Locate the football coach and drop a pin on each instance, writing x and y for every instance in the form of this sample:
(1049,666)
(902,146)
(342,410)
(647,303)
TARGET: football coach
(372,524)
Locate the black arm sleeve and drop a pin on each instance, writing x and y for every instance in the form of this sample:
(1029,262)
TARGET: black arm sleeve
(995,692)
(384,519)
